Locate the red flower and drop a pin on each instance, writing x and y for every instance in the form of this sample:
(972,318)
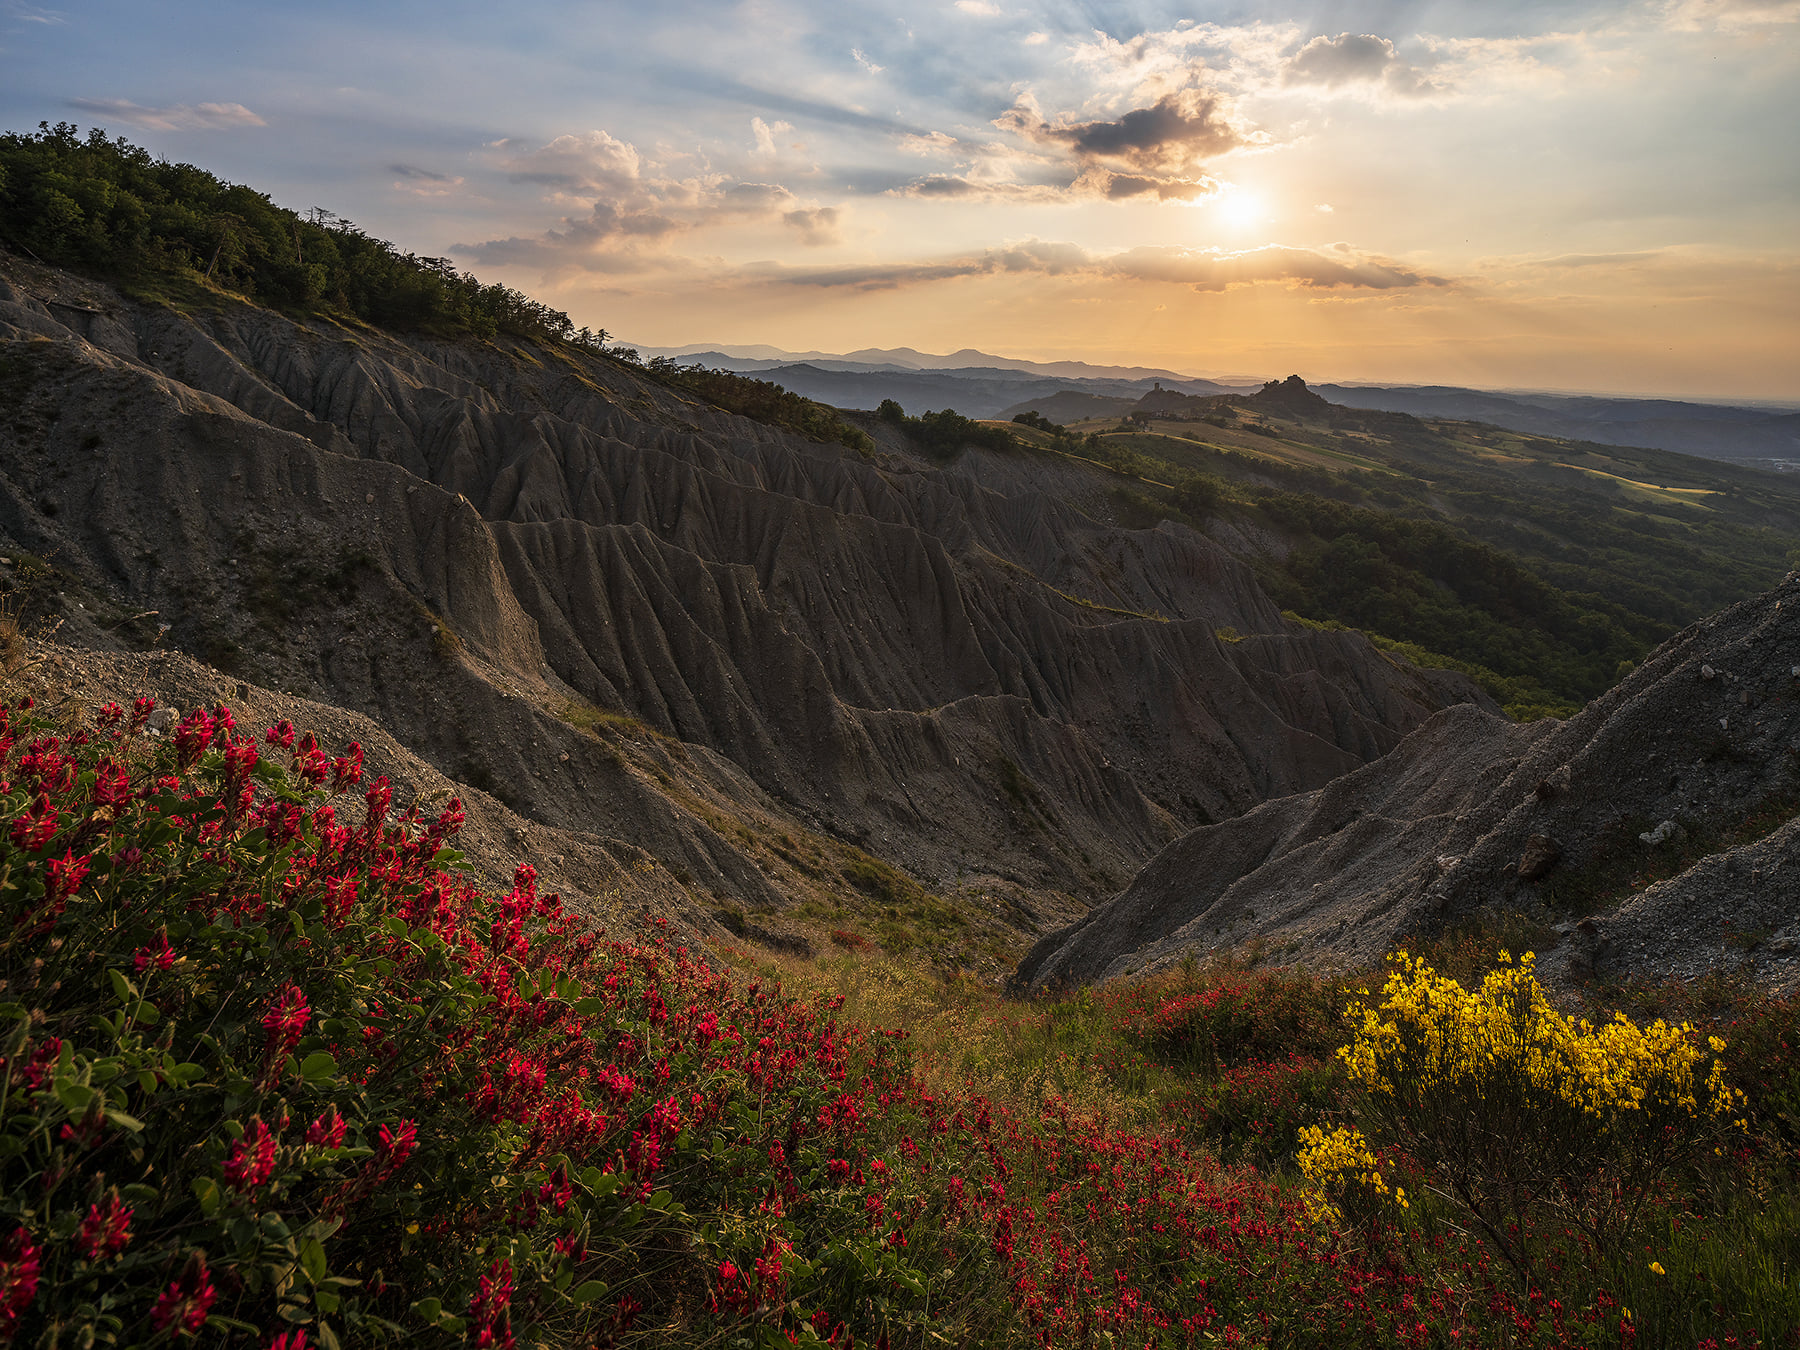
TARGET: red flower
(394,1147)
(282,734)
(285,1022)
(112,784)
(490,1309)
(290,1340)
(251,1161)
(18,1279)
(184,1303)
(105,1231)
(193,735)
(161,955)
(328,1129)
(66,873)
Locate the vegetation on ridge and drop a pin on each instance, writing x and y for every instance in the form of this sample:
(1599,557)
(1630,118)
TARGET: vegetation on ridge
(108,206)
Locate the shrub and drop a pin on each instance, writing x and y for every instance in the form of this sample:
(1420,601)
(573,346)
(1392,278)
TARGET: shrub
(1517,1113)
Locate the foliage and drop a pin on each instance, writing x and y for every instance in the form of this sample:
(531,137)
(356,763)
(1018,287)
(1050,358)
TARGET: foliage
(107,206)
(1514,1110)
(272,1067)
(762,400)
(943,434)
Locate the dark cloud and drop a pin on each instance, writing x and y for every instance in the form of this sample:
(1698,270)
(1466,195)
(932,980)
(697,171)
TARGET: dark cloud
(1168,136)
(1145,152)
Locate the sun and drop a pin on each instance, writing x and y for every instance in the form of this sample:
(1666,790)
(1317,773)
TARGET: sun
(1241,208)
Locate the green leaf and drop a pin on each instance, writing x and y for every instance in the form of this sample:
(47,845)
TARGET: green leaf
(396,925)
(75,1096)
(123,989)
(206,1191)
(588,1292)
(429,1308)
(587,1007)
(146,1013)
(327,1337)
(312,1261)
(660,1201)
(123,1121)
(317,1067)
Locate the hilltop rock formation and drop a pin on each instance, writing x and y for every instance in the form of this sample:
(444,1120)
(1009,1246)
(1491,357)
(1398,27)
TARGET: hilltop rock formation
(1654,834)
(500,551)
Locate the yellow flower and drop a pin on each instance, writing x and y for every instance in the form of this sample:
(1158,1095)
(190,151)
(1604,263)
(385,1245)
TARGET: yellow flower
(1656,1268)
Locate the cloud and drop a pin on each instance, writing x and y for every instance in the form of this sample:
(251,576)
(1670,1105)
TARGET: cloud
(422,182)
(765,134)
(931,143)
(1144,152)
(630,209)
(1035,39)
(1353,59)
(1729,15)
(176,117)
(863,61)
(1339,267)
(953,186)
(815,225)
(1171,134)
(597,163)
(984,8)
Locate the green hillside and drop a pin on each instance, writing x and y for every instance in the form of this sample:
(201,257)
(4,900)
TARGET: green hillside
(1540,566)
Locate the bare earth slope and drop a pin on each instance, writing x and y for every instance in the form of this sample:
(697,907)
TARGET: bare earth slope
(1654,833)
(546,575)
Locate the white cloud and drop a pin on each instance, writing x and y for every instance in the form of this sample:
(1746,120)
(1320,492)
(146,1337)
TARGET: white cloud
(863,61)
(985,8)
(928,143)
(409,178)
(633,208)
(766,132)
(173,117)
(1034,39)
(1730,15)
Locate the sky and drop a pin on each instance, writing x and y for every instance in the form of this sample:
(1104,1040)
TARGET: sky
(1550,194)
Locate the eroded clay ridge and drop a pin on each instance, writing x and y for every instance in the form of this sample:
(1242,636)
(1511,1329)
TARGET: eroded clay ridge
(1653,835)
(476,545)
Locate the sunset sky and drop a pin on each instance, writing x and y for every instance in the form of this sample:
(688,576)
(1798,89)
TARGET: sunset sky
(1548,194)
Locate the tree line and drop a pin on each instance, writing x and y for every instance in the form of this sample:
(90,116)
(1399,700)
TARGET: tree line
(109,206)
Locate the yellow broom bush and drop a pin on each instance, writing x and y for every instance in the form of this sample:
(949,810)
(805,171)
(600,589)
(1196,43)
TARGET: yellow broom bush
(1513,1112)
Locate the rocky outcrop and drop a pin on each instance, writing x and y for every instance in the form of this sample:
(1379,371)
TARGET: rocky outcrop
(1651,835)
(485,547)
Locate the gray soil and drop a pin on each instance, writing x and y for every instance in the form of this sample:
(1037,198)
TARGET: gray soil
(1651,836)
(663,640)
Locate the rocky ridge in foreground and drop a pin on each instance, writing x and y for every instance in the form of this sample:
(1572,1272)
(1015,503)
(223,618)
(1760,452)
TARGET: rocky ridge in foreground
(1652,835)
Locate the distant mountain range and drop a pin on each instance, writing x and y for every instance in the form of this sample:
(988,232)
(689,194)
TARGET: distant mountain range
(979,384)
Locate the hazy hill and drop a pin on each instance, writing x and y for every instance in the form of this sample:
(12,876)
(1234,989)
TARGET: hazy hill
(1766,437)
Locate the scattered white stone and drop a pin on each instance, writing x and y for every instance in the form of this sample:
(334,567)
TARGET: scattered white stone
(1707,672)
(1663,832)
(1724,724)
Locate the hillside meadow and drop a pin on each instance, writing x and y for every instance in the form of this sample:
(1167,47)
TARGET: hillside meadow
(278,1074)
